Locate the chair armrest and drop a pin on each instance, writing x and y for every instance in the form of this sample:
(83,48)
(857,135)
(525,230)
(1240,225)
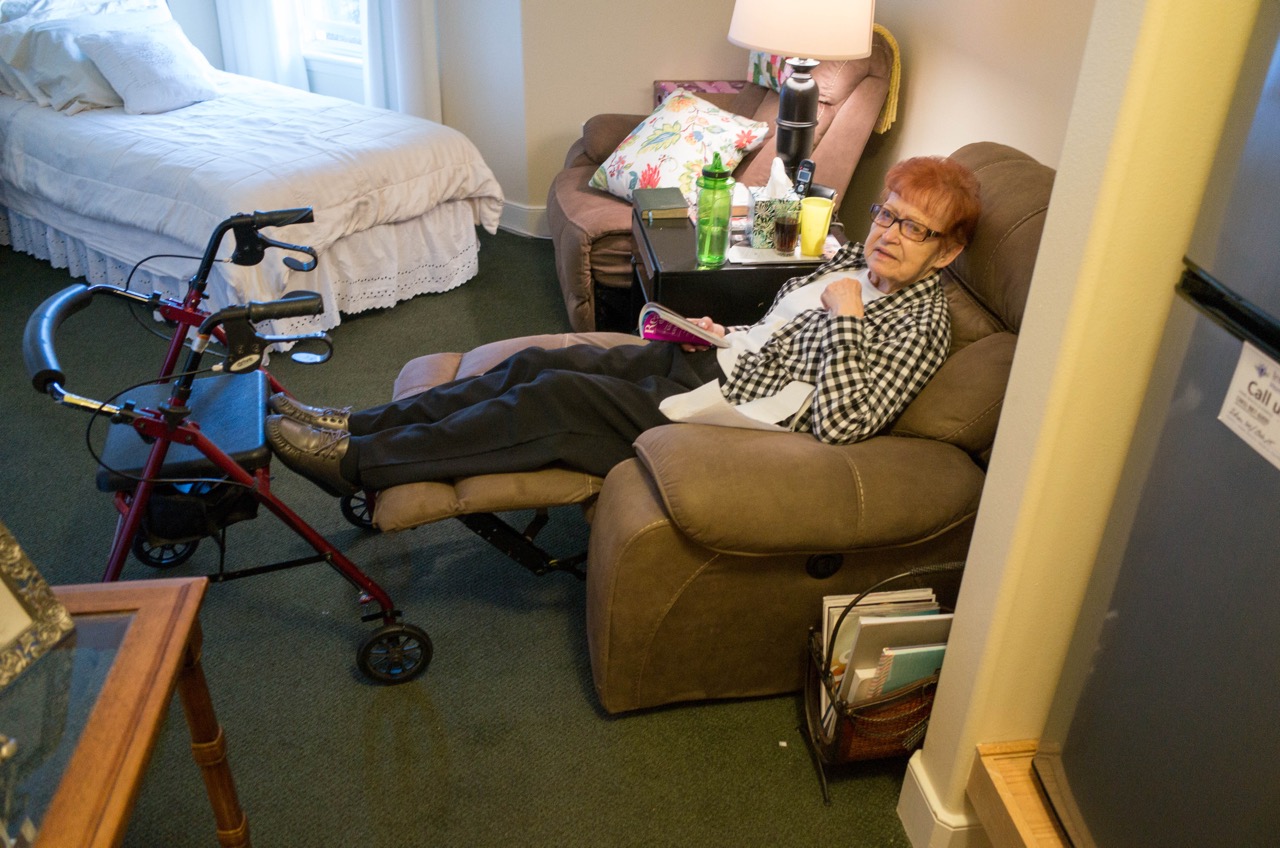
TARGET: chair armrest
(601,135)
(760,492)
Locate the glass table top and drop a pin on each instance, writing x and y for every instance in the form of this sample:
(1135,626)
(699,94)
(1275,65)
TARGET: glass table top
(42,715)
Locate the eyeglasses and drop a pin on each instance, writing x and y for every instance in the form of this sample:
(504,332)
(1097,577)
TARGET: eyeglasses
(913,230)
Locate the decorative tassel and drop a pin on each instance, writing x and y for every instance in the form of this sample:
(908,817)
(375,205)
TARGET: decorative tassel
(889,111)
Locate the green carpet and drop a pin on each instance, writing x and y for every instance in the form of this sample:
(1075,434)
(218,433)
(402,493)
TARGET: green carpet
(502,742)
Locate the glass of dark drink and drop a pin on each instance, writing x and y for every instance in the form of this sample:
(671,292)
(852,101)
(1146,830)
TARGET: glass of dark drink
(786,229)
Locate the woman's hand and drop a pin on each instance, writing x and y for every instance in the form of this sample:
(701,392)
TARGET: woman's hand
(844,297)
(707,324)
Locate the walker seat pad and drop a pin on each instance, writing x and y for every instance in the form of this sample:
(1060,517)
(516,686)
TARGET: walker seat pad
(230,409)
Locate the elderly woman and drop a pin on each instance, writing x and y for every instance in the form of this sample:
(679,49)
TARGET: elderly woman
(839,354)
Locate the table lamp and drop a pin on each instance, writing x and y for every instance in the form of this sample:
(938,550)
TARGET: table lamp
(804,33)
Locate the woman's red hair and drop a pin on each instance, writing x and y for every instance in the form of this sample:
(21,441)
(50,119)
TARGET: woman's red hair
(942,187)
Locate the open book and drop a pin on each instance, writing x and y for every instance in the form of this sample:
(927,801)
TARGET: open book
(661,324)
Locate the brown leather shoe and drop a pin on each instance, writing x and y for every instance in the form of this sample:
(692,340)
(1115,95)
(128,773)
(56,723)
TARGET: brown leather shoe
(313,452)
(328,417)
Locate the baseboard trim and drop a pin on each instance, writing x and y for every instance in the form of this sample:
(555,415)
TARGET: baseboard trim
(927,823)
(525,220)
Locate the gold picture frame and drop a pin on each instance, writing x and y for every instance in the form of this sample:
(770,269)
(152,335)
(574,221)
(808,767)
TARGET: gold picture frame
(32,619)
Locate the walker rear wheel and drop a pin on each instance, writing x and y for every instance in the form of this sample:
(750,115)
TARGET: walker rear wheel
(395,653)
(163,555)
(358,509)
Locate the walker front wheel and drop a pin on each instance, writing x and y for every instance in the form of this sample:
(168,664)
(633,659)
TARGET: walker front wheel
(395,653)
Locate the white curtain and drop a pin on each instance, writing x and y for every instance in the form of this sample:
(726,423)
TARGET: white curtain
(261,40)
(401,65)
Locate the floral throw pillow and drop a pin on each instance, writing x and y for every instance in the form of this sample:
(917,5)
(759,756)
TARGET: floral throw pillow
(669,148)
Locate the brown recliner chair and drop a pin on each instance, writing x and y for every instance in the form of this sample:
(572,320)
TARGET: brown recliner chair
(711,550)
(591,229)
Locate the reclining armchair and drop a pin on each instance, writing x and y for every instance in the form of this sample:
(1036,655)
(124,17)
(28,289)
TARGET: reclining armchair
(591,229)
(710,551)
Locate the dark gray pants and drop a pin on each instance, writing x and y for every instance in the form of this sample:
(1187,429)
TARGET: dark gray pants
(580,406)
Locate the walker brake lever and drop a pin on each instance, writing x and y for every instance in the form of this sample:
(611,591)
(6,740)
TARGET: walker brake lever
(249,248)
(245,347)
(289,261)
(306,357)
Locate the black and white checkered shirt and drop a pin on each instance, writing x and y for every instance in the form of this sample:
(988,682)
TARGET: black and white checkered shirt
(865,370)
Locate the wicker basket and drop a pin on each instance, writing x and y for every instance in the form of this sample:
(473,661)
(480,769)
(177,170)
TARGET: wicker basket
(889,726)
(892,725)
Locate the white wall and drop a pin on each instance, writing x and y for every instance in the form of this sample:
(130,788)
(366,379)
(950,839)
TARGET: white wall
(978,70)
(199,21)
(519,77)
(584,58)
(482,85)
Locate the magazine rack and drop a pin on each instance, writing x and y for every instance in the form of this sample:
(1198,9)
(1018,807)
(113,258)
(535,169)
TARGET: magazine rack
(892,725)
(889,726)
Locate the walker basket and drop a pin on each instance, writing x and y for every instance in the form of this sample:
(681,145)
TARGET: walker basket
(178,513)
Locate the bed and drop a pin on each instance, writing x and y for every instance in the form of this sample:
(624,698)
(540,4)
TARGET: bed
(95,187)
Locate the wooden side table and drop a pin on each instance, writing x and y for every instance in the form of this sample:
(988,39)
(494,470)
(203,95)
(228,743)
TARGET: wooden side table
(666,271)
(144,636)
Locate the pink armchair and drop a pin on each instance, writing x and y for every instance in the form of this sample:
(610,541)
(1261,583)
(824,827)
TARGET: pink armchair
(591,229)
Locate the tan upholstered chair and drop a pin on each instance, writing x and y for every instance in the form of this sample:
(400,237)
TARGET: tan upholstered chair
(591,229)
(711,550)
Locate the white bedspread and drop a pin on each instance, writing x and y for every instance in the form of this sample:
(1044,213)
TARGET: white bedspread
(258,147)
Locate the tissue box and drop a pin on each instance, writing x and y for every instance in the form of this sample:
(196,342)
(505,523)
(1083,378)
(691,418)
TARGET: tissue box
(763,214)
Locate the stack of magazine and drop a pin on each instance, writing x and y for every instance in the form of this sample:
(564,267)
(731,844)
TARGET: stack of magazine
(886,642)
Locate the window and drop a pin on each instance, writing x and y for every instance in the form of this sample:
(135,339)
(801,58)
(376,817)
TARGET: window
(332,29)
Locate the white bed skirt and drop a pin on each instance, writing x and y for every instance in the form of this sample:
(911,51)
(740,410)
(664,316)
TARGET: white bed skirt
(372,269)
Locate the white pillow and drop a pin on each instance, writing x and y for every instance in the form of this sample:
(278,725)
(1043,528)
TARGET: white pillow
(24,85)
(73,83)
(9,82)
(21,79)
(11,10)
(153,70)
(51,66)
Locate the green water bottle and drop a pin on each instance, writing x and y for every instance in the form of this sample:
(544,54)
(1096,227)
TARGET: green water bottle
(715,206)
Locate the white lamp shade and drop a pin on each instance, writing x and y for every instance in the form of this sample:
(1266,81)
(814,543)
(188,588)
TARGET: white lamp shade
(814,29)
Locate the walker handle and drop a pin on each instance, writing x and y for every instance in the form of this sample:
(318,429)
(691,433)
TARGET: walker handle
(293,305)
(281,217)
(37,340)
(245,348)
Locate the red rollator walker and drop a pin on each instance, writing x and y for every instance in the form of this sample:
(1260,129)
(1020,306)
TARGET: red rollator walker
(186,457)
